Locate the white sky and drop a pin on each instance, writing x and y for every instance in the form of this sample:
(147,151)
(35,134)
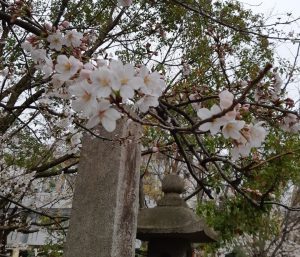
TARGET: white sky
(272,10)
(277,6)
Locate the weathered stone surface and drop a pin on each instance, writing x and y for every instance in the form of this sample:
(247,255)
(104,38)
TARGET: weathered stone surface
(171,218)
(104,214)
(172,184)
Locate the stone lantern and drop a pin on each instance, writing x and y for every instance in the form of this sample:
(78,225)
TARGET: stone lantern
(171,227)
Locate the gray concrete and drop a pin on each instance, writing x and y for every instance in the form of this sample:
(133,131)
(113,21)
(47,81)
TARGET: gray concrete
(104,215)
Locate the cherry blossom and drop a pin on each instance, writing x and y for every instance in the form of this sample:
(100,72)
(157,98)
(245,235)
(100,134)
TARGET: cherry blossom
(251,136)
(215,124)
(46,66)
(27,46)
(146,102)
(226,99)
(240,150)
(56,41)
(56,81)
(38,55)
(241,146)
(106,115)
(196,105)
(67,67)
(277,83)
(84,74)
(85,100)
(152,82)
(105,81)
(126,77)
(73,38)
(257,134)
(291,123)
(232,129)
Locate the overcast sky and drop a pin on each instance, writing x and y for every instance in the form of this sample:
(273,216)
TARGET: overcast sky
(273,6)
(273,9)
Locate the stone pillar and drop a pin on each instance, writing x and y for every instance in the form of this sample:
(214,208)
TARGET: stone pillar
(105,205)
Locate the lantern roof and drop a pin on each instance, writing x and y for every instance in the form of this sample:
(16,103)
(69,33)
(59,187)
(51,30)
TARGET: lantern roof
(172,218)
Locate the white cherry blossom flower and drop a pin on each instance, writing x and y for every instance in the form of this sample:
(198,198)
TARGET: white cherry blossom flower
(152,82)
(127,79)
(146,102)
(291,123)
(232,129)
(73,38)
(242,148)
(215,124)
(56,40)
(235,153)
(230,116)
(278,83)
(46,66)
(85,101)
(64,122)
(257,134)
(67,67)
(196,105)
(27,46)
(56,81)
(105,115)
(105,81)
(38,55)
(85,74)
(226,99)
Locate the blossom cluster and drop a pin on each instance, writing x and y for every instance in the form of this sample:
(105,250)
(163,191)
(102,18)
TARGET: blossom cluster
(274,94)
(96,88)
(99,89)
(244,136)
(291,123)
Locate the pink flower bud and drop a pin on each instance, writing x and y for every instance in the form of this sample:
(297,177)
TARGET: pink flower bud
(155,149)
(48,26)
(31,39)
(65,24)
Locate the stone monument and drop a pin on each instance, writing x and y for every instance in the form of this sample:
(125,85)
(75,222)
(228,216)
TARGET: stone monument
(105,205)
